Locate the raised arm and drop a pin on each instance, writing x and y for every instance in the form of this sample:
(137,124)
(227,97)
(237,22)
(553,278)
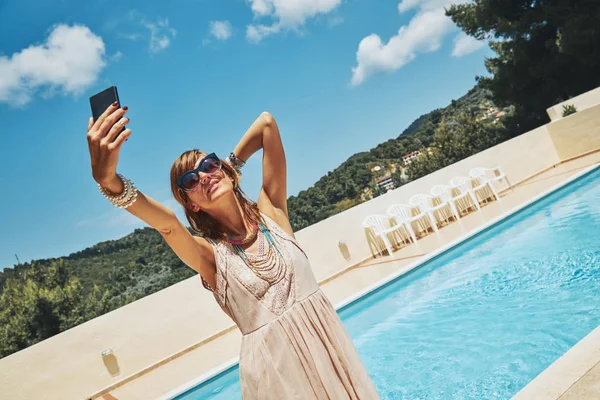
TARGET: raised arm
(264,133)
(105,139)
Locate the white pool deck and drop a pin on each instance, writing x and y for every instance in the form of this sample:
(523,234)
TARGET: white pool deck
(576,375)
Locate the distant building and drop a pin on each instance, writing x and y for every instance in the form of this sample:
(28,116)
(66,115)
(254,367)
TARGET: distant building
(385,183)
(492,114)
(410,156)
(498,116)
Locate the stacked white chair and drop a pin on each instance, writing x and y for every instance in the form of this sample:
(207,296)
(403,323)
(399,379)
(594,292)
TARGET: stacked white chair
(479,190)
(459,200)
(493,176)
(460,187)
(377,223)
(403,215)
(437,211)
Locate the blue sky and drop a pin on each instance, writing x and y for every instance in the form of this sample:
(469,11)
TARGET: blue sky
(340,76)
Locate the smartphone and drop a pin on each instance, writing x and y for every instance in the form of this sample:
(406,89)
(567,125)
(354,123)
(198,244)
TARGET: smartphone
(101,101)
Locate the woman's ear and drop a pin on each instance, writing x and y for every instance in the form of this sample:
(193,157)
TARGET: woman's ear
(193,207)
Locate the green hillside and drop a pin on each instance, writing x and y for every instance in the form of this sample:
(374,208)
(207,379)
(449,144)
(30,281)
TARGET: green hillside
(341,188)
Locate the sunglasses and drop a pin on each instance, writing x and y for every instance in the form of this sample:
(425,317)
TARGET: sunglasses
(211,164)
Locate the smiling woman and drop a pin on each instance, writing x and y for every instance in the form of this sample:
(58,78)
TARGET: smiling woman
(294,344)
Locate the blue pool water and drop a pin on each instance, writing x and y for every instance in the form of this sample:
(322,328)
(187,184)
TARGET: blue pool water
(485,318)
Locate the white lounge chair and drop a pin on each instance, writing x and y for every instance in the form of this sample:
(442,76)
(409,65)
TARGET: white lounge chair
(478,189)
(491,175)
(377,224)
(437,210)
(458,199)
(402,214)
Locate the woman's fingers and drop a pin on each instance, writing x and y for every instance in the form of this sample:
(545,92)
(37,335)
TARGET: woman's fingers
(115,130)
(89,134)
(111,109)
(110,120)
(116,145)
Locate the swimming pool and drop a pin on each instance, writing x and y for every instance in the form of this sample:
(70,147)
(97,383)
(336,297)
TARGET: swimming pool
(484,318)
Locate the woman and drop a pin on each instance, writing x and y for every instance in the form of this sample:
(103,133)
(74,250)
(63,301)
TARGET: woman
(294,345)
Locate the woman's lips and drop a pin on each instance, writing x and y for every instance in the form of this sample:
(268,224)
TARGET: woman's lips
(212,186)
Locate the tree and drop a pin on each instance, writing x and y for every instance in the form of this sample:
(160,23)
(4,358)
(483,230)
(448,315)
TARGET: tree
(344,205)
(425,164)
(547,51)
(456,140)
(43,303)
(398,178)
(467,136)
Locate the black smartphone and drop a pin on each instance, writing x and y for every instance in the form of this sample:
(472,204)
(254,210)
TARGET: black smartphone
(100,101)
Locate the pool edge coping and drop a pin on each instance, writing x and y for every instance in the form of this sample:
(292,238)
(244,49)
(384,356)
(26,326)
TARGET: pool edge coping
(340,306)
(566,371)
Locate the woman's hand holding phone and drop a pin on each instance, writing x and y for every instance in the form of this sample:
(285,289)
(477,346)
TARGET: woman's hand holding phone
(105,138)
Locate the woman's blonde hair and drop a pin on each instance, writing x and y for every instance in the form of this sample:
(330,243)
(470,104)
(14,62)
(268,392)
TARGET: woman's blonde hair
(200,221)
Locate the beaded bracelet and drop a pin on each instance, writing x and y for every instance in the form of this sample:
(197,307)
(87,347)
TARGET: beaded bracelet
(125,199)
(235,162)
(131,198)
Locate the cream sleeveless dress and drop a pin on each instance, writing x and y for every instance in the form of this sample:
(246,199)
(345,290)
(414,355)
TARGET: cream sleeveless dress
(294,345)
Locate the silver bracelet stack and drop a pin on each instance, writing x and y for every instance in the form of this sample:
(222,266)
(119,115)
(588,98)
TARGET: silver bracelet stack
(235,163)
(125,199)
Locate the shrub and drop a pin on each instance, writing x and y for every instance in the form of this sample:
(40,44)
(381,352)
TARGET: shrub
(569,109)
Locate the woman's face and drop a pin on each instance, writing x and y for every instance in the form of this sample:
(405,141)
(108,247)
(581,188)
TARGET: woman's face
(211,188)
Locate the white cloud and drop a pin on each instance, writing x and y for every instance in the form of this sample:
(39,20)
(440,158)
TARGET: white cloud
(262,7)
(256,33)
(406,5)
(69,61)
(220,30)
(423,34)
(131,36)
(426,5)
(335,21)
(116,57)
(465,44)
(160,34)
(286,15)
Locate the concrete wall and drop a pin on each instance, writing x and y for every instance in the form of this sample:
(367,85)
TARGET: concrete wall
(581,102)
(69,365)
(577,133)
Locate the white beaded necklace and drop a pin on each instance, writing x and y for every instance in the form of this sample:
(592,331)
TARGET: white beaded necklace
(268,266)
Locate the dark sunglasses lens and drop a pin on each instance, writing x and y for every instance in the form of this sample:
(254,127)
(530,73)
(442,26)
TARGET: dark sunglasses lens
(190,180)
(210,165)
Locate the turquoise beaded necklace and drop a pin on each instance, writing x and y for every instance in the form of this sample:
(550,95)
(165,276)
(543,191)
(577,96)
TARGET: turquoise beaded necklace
(268,261)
